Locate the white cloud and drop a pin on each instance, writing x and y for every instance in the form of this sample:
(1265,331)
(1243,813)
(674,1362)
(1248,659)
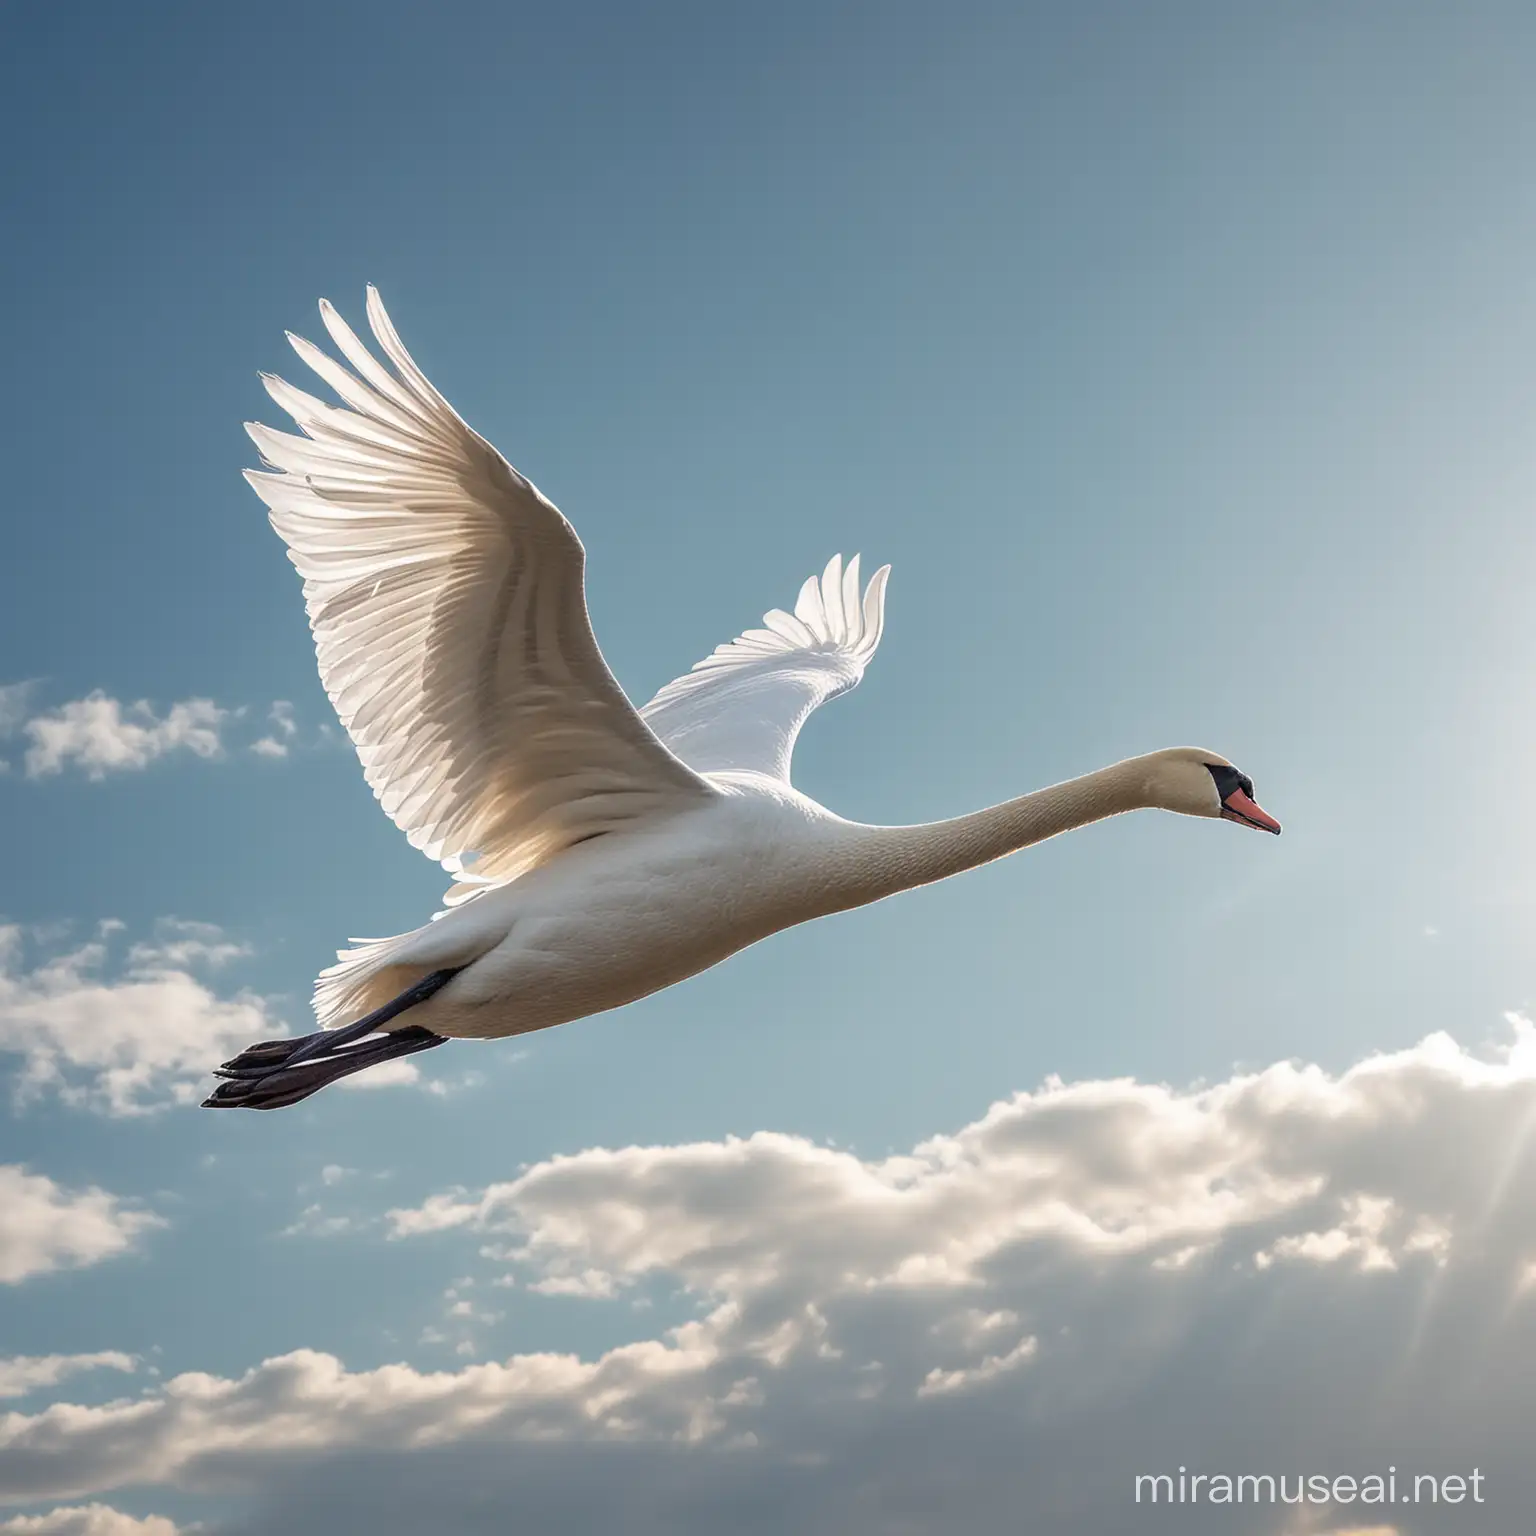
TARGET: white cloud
(315,1221)
(406,1074)
(388,1074)
(124,1037)
(1289,1271)
(284,729)
(15,698)
(88,1520)
(437,1213)
(45,1227)
(101,735)
(22,1374)
(966,1376)
(180,945)
(464,1320)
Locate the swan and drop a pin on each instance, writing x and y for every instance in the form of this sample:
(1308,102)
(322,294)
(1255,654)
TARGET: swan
(599,853)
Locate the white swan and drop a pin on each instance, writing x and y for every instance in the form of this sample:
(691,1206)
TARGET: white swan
(599,852)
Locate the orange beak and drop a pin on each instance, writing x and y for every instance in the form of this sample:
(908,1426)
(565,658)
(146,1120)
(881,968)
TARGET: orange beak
(1238,807)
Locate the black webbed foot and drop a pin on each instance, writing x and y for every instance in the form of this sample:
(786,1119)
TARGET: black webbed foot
(275,1073)
(256,1087)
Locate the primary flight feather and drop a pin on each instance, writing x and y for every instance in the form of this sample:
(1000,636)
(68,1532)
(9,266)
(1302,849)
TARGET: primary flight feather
(598,852)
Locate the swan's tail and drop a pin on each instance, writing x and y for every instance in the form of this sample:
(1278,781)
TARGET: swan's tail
(365,977)
(373,971)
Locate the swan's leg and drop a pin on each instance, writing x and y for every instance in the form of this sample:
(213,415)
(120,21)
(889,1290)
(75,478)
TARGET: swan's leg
(275,1089)
(271,1054)
(268,1075)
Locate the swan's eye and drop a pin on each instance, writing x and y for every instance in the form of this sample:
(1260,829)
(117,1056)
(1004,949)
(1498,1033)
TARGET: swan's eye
(1229,781)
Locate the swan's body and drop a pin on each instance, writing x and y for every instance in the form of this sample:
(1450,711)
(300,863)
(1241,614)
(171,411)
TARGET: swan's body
(623,916)
(599,853)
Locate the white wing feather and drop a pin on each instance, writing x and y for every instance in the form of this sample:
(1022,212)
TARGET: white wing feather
(446,599)
(741,708)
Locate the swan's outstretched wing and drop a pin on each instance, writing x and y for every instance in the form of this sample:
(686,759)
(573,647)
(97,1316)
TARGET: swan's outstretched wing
(743,706)
(445,595)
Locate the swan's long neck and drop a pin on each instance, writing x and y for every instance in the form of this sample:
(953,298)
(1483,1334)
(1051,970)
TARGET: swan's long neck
(891,859)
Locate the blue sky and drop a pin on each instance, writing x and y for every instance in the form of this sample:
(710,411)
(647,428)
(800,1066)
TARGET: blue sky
(1178,360)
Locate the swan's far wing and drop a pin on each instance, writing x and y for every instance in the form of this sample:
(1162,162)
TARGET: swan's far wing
(446,598)
(742,707)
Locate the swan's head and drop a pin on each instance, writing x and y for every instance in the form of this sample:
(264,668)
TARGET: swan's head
(1198,783)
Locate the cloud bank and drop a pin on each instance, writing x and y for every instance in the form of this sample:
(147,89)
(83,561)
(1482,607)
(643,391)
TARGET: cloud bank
(1289,1273)
(87,1520)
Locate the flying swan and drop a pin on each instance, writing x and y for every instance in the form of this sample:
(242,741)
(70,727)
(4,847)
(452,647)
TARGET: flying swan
(598,852)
